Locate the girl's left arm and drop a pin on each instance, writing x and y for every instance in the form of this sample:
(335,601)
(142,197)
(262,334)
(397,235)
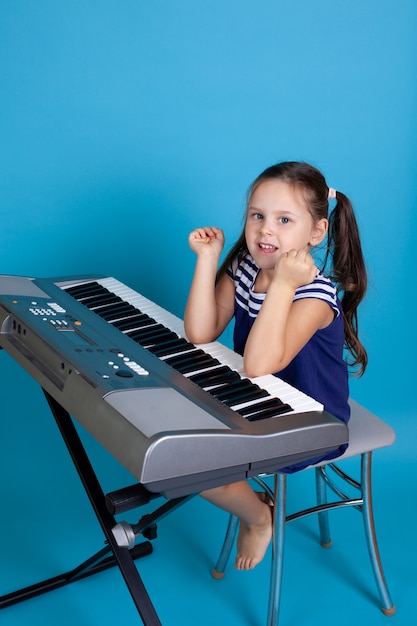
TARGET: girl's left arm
(283,327)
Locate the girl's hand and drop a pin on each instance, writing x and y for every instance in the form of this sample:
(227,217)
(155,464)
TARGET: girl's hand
(296,268)
(206,240)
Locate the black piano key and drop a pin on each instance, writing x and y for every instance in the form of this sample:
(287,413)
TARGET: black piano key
(245,395)
(268,413)
(118,311)
(201,377)
(146,331)
(180,358)
(155,339)
(134,322)
(95,302)
(80,291)
(271,403)
(238,396)
(239,385)
(194,366)
(150,339)
(171,347)
(214,376)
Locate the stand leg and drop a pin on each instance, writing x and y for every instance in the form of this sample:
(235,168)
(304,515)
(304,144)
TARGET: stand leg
(97,498)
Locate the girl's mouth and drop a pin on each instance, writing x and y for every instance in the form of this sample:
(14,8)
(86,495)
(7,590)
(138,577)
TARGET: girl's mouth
(267,248)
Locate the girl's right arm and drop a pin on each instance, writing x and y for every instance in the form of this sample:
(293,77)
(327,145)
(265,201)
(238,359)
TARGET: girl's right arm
(210,307)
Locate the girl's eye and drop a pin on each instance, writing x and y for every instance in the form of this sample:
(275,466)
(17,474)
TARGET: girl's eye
(256,216)
(284,220)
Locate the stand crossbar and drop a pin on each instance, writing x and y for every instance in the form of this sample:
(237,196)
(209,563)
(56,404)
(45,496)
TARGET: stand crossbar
(87,568)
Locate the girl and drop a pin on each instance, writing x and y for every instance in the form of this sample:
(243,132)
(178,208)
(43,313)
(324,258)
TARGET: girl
(289,320)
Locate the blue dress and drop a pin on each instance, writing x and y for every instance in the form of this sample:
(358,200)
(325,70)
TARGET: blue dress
(319,369)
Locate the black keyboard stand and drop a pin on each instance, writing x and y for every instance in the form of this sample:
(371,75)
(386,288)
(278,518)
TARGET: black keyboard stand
(112,554)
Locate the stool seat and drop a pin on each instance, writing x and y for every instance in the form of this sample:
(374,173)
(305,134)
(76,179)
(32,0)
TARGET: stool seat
(366,432)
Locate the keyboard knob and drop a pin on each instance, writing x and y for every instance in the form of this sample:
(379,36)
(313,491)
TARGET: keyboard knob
(124,373)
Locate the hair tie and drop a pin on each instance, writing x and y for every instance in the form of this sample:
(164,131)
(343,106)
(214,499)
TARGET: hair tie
(332,193)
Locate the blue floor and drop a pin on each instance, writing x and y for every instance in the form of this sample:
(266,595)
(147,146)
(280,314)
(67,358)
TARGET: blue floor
(47,526)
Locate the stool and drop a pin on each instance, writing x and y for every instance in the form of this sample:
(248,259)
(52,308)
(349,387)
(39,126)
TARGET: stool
(366,434)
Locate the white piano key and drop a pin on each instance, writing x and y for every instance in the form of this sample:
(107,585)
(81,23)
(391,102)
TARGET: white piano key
(144,304)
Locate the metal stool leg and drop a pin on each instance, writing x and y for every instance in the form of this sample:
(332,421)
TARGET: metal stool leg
(229,540)
(388,607)
(323,516)
(280,484)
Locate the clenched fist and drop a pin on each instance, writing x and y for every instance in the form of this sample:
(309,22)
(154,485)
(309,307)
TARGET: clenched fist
(296,268)
(206,240)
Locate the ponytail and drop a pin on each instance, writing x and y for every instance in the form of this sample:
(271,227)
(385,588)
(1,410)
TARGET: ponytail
(349,273)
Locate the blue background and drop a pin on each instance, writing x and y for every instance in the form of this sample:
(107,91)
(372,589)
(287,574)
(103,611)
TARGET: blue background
(125,124)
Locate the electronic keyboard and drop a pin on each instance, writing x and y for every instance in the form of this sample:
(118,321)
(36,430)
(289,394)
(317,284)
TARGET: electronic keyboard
(181,418)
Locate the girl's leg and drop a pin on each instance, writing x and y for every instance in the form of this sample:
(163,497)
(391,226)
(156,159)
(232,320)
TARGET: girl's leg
(255,517)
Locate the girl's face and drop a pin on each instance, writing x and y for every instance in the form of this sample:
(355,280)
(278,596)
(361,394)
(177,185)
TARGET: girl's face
(277,221)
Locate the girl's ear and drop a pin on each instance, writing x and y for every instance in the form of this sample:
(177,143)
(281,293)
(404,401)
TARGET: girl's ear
(319,231)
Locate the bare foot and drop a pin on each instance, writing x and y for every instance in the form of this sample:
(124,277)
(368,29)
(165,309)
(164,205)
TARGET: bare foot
(253,541)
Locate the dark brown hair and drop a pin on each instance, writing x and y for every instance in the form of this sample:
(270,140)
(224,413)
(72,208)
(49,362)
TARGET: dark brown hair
(343,259)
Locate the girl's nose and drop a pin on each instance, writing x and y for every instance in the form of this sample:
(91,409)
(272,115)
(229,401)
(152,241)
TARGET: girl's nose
(266,227)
